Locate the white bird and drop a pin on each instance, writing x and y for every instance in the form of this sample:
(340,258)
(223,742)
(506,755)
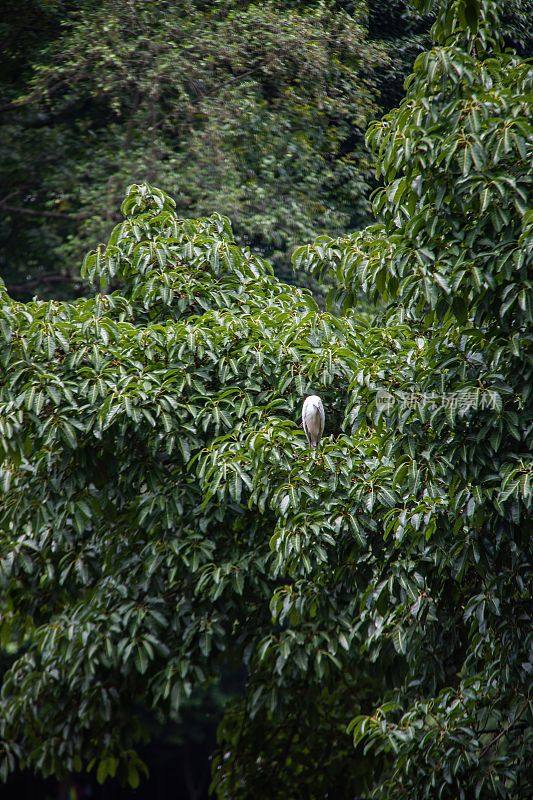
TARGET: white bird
(313,419)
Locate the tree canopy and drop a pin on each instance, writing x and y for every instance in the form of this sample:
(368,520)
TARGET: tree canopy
(162,514)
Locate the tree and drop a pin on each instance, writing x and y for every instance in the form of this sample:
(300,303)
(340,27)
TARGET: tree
(163,531)
(451,256)
(162,513)
(255,110)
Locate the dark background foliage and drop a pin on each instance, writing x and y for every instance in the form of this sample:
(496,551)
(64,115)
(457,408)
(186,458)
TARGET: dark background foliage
(258,111)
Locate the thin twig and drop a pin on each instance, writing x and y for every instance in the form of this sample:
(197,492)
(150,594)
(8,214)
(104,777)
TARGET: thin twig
(20,288)
(503,731)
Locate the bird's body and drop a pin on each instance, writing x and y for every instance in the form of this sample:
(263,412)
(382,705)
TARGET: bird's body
(313,419)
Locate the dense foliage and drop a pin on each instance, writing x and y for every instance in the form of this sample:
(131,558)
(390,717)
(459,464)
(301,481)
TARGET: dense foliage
(163,516)
(257,111)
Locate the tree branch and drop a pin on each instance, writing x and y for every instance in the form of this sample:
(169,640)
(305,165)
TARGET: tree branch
(31,98)
(31,212)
